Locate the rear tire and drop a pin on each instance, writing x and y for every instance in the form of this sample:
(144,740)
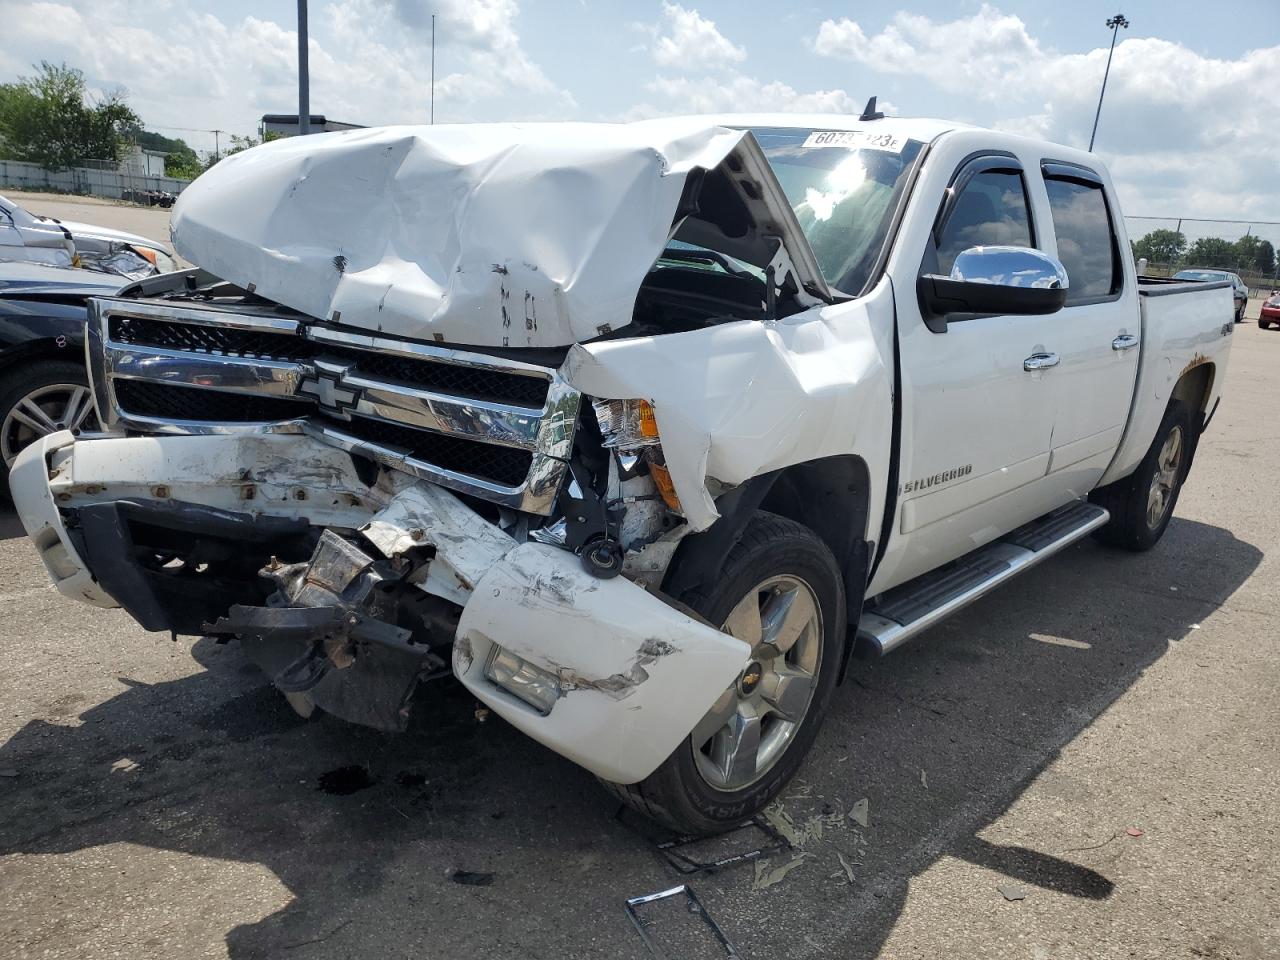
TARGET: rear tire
(776,569)
(1141,505)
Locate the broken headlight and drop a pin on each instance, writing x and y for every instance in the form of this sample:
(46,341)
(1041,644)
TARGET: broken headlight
(630,428)
(626,425)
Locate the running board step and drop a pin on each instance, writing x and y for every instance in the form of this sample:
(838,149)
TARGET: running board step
(899,614)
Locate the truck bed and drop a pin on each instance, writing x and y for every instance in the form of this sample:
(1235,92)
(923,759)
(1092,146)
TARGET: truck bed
(1185,324)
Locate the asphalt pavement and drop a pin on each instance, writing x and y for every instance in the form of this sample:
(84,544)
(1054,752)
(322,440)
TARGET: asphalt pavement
(1081,765)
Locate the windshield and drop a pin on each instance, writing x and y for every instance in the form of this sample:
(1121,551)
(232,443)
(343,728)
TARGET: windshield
(844,187)
(1201,275)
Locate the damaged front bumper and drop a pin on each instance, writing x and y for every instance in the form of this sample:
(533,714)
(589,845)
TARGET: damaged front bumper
(361,584)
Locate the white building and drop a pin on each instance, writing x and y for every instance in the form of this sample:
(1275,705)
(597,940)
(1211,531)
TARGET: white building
(144,163)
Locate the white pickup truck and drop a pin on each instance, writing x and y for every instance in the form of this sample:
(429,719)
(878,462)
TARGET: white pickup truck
(637,430)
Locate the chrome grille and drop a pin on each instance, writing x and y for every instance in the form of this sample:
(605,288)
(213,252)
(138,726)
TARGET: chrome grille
(448,378)
(490,427)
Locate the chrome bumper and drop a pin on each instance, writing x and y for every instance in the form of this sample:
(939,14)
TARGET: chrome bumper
(635,675)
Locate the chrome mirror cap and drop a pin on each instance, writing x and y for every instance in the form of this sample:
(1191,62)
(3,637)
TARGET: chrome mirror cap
(1010,267)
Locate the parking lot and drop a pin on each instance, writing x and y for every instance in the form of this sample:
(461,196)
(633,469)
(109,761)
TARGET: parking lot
(1081,765)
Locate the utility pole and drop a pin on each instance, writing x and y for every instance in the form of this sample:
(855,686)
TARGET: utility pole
(217,143)
(304,79)
(433,68)
(1115,23)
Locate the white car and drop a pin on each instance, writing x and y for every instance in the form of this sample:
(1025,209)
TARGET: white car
(66,243)
(639,430)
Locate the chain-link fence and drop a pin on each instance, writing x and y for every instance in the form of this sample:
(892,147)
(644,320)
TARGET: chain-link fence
(1249,248)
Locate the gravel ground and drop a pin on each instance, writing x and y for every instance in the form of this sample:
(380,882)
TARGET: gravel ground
(1099,738)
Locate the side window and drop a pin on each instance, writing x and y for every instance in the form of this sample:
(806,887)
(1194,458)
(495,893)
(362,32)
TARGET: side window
(991,210)
(1086,240)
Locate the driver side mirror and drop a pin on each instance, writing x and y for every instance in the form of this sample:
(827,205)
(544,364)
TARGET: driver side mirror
(993,281)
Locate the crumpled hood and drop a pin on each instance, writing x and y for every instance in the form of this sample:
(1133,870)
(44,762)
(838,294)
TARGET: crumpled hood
(484,234)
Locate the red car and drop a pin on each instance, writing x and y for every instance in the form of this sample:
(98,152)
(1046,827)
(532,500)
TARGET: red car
(1270,311)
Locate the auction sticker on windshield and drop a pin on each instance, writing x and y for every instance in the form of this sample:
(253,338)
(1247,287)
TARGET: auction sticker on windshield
(856,140)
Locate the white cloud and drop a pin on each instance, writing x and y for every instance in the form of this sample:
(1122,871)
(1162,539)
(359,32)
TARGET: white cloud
(740,93)
(977,54)
(1180,131)
(369,61)
(686,40)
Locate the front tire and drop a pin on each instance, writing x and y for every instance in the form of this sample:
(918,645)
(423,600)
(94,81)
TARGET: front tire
(1142,504)
(781,591)
(40,398)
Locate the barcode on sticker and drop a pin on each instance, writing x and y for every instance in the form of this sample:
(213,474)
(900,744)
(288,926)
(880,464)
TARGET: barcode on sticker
(856,140)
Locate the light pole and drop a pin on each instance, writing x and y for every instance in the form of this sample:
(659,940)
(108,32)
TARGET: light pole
(1115,23)
(304,80)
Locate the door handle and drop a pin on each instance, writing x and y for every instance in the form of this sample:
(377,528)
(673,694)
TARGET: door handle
(1040,361)
(1124,342)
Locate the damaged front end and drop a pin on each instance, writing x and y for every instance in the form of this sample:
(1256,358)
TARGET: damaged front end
(388,582)
(372,470)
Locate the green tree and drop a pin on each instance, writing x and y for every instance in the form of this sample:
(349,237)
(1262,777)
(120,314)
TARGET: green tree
(1161,246)
(1213,252)
(1254,253)
(50,119)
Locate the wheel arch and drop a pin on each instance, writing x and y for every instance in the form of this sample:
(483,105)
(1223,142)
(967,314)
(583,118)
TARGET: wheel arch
(1195,387)
(43,348)
(829,496)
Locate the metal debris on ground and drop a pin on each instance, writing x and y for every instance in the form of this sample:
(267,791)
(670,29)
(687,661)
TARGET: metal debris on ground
(846,866)
(684,863)
(860,812)
(124,765)
(694,906)
(470,878)
(1011,891)
(767,876)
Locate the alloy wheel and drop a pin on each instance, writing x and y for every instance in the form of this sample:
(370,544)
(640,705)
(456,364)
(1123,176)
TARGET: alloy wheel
(749,727)
(45,410)
(1163,483)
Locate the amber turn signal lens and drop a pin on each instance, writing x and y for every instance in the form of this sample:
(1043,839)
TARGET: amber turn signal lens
(648,421)
(148,255)
(662,480)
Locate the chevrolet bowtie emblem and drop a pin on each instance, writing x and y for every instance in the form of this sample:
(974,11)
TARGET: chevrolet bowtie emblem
(325,386)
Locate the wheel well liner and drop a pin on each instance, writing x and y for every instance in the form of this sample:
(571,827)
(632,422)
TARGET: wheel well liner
(46,348)
(830,496)
(1195,386)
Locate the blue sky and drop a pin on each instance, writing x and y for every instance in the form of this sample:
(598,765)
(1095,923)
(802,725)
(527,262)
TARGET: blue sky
(1186,128)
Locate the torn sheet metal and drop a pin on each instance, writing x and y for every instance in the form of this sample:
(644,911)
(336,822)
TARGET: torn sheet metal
(486,234)
(635,674)
(740,399)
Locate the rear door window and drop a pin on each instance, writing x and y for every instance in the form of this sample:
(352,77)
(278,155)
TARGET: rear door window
(991,210)
(1086,239)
